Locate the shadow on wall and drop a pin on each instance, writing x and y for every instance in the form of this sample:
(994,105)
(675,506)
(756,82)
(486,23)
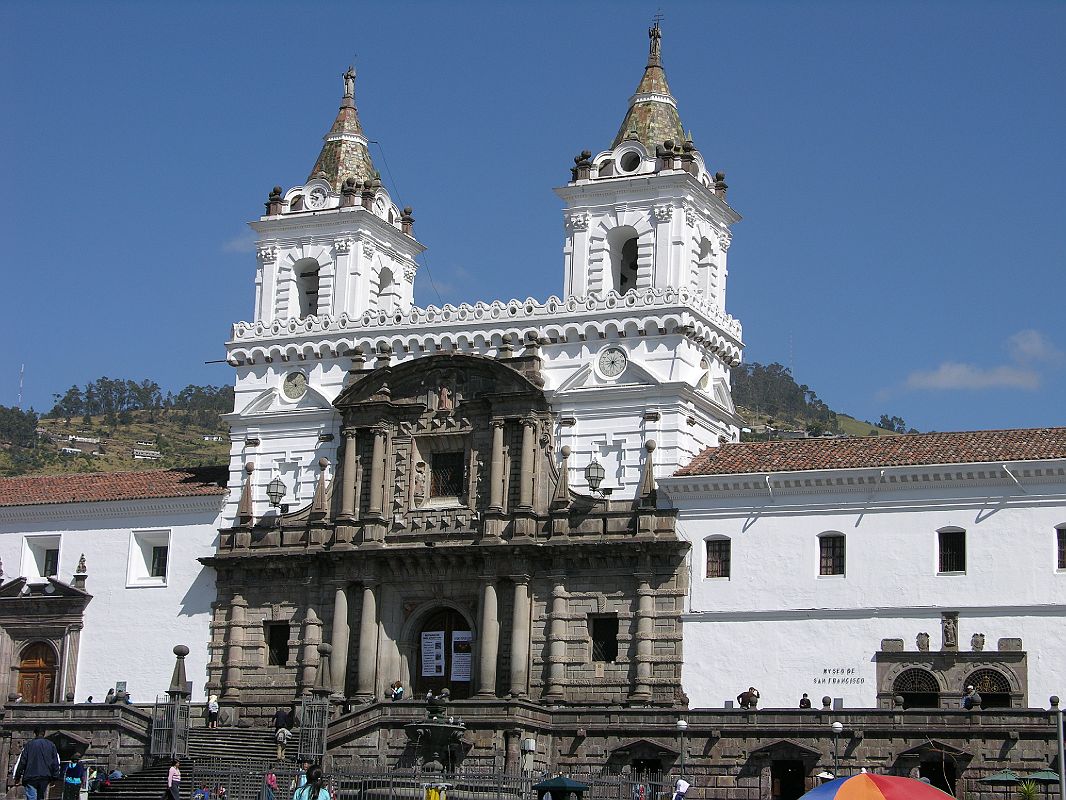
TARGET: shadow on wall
(201,594)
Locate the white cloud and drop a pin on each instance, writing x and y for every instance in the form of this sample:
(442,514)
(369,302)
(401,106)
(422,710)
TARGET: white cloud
(1029,346)
(242,243)
(951,375)
(1027,350)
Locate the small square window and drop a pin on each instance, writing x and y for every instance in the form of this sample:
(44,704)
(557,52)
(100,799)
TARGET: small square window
(831,555)
(604,631)
(148,559)
(277,639)
(40,556)
(447,474)
(952,551)
(718,553)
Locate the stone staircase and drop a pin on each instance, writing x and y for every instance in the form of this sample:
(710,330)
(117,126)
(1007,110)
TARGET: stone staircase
(209,749)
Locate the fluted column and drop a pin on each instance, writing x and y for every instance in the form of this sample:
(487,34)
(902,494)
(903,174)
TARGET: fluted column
(557,641)
(234,647)
(368,642)
(525,494)
(348,487)
(488,652)
(339,640)
(520,636)
(645,623)
(377,472)
(496,467)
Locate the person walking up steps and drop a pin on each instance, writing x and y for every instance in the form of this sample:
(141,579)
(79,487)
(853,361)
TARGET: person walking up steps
(37,766)
(174,781)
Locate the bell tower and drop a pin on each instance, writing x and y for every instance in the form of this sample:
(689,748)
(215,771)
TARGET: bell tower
(647,213)
(336,245)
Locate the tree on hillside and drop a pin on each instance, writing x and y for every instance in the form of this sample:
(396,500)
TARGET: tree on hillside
(69,405)
(18,427)
(895,424)
(771,389)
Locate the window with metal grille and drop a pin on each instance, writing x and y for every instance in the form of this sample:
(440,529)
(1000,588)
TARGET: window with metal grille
(277,638)
(718,558)
(1061,534)
(604,631)
(831,555)
(159,562)
(51,563)
(952,551)
(918,688)
(447,479)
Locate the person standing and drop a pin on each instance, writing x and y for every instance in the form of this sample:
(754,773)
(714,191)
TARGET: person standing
(212,711)
(971,699)
(315,788)
(37,766)
(270,786)
(174,781)
(74,777)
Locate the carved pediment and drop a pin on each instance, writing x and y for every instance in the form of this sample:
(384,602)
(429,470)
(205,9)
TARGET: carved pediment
(439,383)
(587,378)
(271,401)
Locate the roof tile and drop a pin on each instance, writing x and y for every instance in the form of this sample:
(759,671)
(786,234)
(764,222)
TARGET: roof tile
(103,486)
(964,447)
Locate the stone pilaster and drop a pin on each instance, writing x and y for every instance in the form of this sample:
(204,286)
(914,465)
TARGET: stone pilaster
(488,651)
(520,636)
(238,610)
(339,643)
(557,640)
(645,633)
(368,643)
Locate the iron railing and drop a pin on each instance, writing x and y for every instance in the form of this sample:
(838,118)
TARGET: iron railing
(170,728)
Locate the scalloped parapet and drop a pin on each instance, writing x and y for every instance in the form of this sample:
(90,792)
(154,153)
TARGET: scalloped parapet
(635,308)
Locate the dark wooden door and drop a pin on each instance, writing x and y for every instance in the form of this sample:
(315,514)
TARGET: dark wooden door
(441,652)
(37,674)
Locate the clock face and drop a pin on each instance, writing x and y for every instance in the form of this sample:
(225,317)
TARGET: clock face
(295,385)
(612,362)
(317,198)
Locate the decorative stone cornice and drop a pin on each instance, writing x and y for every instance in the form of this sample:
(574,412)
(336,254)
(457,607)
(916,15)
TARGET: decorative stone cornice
(664,213)
(206,504)
(342,245)
(267,254)
(578,221)
(724,240)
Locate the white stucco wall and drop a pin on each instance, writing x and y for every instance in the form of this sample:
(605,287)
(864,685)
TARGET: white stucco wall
(129,632)
(777,624)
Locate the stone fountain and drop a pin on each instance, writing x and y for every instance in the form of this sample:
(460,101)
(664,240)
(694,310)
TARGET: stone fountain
(438,736)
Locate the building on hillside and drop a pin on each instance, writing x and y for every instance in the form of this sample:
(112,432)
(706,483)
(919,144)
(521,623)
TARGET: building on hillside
(873,569)
(99,580)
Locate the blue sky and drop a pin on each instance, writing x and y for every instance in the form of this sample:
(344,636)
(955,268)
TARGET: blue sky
(899,167)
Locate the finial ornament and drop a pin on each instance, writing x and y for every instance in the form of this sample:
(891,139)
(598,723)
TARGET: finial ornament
(655,34)
(349,81)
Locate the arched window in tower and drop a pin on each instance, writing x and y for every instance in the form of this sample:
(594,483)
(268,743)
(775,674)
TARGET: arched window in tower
(306,272)
(706,271)
(623,248)
(387,291)
(993,687)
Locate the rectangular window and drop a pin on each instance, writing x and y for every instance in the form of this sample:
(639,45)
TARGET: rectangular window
(831,555)
(159,562)
(604,631)
(40,557)
(149,556)
(447,475)
(718,558)
(51,563)
(1061,533)
(277,639)
(952,551)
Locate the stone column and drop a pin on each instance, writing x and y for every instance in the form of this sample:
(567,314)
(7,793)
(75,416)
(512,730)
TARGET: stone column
(377,472)
(496,467)
(368,643)
(339,656)
(520,636)
(525,495)
(312,638)
(645,634)
(489,650)
(234,647)
(348,487)
(557,641)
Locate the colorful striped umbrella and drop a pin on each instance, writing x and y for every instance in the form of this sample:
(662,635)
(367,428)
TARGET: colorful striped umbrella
(867,786)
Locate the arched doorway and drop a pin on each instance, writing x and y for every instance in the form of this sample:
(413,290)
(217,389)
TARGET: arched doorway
(37,673)
(444,654)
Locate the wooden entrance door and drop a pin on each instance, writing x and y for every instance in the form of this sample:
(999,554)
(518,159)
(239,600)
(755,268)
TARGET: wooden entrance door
(37,674)
(444,650)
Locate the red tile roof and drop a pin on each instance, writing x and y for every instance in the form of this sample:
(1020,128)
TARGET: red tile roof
(100,486)
(965,447)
